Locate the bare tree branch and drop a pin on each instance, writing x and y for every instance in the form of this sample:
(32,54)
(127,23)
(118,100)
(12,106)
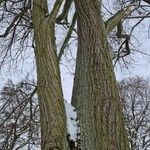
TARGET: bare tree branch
(136,17)
(147,1)
(64,14)
(113,21)
(19,125)
(67,38)
(138,23)
(13,23)
(54,12)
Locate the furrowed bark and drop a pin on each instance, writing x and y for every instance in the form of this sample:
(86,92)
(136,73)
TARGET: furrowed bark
(95,93)
(51,104)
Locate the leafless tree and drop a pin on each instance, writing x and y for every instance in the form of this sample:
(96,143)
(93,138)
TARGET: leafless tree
(135,95)
(19,119)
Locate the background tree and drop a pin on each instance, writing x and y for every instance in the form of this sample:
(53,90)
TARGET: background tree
(19,120)
(135,95)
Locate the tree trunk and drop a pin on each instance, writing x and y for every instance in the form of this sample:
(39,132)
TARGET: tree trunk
(51,104)
(95,93)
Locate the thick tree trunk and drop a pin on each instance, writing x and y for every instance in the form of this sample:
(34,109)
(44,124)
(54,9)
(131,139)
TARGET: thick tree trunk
(95,93)
(52,111)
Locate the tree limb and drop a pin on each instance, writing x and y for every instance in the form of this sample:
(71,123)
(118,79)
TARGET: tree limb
(113,21)
(147,1)
(13,23)
(139,22)
(54,12)
(136,17)
(67,37)
(64,14)
(15,19)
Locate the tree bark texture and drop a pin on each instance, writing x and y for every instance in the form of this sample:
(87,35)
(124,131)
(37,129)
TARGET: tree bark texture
(51,104)
(95,93)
